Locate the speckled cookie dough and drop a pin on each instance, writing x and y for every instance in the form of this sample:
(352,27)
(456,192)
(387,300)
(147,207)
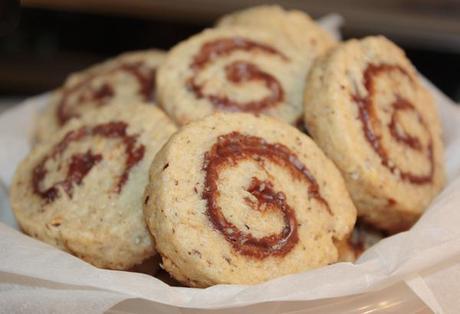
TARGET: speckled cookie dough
(234,69)
(236,198)
(83,190)
(367,109)
(128,78)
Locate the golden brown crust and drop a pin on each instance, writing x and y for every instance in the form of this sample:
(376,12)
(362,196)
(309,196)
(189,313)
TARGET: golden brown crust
(235,198)
(233,69)
(128,78)
(368,111)
(82,191)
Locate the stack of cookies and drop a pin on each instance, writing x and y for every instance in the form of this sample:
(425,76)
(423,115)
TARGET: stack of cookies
(196,156)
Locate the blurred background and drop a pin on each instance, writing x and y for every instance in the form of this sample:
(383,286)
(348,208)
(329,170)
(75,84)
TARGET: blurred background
(42,41)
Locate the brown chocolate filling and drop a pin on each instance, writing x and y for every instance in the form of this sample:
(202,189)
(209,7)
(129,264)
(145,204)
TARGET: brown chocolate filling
(104,93)
(81,164)
(237,72)
(228,151)
(370,124)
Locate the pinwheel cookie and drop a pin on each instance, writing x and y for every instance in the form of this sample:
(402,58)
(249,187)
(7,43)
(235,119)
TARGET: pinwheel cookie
(82,191)
(233,69)
(367,109)
(128,78)
(236,198)
(307,36)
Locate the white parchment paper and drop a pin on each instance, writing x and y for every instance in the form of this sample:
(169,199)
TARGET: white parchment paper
(35,277)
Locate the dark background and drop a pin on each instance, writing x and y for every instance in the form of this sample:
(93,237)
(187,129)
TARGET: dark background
(51,40)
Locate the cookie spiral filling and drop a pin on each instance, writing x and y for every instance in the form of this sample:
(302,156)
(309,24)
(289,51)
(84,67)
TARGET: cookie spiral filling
(80,164)
(229,150)
(373,126)
(101,93)
(237,72)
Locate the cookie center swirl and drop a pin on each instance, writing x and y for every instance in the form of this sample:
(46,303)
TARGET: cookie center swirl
(405,125)
(237,72)
(99,90)
(80,164)
(234,148)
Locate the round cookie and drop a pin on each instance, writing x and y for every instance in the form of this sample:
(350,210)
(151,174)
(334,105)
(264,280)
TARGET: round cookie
(306,35)
(367,109)
(128,78)
(235,198)
(233,69)
(82,191)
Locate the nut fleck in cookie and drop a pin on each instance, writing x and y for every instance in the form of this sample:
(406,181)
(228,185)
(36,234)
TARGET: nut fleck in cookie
(83,190)
(367,109)
(236,198)
(128,78)
(233,69)
(306,35)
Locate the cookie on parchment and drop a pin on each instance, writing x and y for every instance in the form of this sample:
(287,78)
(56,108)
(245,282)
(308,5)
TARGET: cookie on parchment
(128,78)
(236,198)
(367,109)
(233,69)
(304,33)
(83,190)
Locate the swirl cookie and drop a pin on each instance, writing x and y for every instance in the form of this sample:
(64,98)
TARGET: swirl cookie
(233,69)
(307,36)
(128,78)
(367,109)
(236,198)
(83,190)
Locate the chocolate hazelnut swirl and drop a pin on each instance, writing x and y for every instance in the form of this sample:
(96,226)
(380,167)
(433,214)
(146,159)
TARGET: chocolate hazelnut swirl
(237,72)
(398,108)
(238,198)
(80,164)
(127,79)
(100,88)
(233,148)
(233,69)
(82,191)
(367,109)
